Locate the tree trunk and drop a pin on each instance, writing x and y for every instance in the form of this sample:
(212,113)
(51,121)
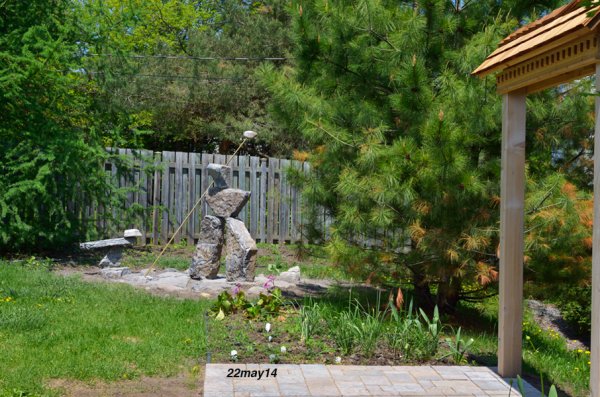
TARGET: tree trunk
(422,292)
(448,294)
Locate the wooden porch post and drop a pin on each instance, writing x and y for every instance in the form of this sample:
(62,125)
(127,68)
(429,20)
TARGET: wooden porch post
(595,341)
(512,207)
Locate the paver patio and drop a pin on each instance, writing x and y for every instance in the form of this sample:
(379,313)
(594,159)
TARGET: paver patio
(347,380)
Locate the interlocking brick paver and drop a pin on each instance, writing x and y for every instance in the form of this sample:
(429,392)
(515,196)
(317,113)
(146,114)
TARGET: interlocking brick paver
(375,380)
(341,380)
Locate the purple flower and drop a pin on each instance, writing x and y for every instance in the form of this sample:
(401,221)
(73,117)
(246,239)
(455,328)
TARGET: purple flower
(237,288)
(270,283)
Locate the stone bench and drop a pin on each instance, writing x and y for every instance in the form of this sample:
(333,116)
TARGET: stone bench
(115,247)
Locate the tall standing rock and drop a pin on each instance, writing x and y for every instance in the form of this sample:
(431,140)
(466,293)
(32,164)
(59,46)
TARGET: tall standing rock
(240,250)
(206,259)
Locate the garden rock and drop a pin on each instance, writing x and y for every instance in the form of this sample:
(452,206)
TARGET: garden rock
(227,202)
(206,259)
(240,249)
(221,175)
(114,272)
(292,275)
(132,235)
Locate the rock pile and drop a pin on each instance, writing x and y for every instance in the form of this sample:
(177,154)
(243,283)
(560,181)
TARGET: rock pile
(224,231)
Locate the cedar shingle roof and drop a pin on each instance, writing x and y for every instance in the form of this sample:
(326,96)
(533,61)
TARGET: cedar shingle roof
(571,19)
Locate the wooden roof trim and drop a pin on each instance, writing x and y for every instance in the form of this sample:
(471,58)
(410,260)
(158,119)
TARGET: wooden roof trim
(542,21)
(547,41)
(577,15)
(575,24)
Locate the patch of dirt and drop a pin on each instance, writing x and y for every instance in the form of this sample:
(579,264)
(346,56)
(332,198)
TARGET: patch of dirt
(182,385)
(548,317)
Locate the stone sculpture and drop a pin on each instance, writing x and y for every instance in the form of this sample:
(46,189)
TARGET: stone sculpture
(114,246)
(224,232)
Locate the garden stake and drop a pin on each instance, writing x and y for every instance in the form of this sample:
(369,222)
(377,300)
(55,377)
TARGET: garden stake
(247,135)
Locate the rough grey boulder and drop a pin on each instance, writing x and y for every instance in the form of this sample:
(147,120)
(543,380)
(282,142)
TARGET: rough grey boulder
(112,258)
(227,202)
(292,275)
(114,272)
(211,230)
(206,259)
(110,243)
(240,249)
(221,174)
(132,235)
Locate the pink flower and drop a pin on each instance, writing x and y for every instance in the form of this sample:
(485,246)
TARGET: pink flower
(237,288)
(270,283)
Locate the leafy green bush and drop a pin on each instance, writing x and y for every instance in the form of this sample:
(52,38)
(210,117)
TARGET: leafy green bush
(51,151)
(575,305)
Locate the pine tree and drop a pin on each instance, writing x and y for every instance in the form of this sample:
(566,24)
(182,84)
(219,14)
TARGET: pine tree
(405,142)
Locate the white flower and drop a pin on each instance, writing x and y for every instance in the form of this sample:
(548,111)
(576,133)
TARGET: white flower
(270,338)
(268,327)
(233,353)
(283,349)
(338,360)
(249,134)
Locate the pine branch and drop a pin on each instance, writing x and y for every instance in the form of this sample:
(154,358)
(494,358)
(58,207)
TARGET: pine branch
(546,197)
(320,127)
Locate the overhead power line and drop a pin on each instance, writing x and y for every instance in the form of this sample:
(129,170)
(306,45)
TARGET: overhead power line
(164,76)
(193,58)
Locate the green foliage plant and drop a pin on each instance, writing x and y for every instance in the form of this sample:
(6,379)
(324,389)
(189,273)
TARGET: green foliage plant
(458,347)
(410,337)
(310,318)
(267,305)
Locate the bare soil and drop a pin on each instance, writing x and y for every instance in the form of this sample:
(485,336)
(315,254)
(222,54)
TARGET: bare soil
(182,385)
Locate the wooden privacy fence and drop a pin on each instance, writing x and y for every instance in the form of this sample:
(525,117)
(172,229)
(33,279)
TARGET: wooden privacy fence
(164,186)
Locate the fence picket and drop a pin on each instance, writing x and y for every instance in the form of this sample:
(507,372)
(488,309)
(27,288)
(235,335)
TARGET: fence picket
(156,198)
(191,197)
(263,200)
(254,193)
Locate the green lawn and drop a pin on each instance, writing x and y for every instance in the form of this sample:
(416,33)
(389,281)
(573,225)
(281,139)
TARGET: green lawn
(57,327)
(545,354)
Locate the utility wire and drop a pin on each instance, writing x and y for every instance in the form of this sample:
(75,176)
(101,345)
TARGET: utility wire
(164,76)
(192,58)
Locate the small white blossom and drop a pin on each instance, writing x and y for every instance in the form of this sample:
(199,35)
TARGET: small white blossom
(270,338)
(283,349)
(233,353)
(338,360)
(268,327)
